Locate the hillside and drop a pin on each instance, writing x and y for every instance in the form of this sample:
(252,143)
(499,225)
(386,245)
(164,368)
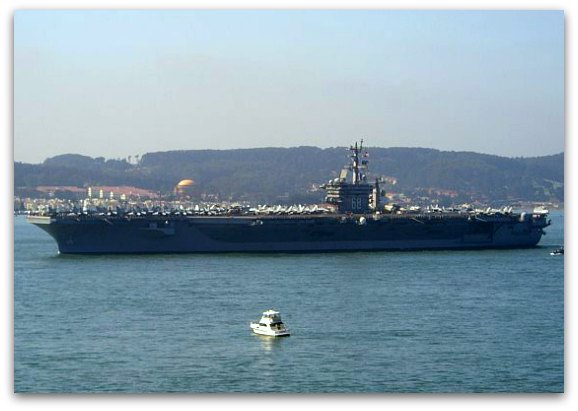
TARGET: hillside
(290,174)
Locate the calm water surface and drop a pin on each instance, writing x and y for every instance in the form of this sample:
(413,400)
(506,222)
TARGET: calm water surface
(445,321)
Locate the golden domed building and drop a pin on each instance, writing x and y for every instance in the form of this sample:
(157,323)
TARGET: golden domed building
(185,188)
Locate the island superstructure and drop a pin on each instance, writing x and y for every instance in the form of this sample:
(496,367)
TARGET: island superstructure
(354,220)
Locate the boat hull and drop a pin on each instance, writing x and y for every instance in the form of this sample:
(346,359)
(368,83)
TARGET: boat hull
(269,333)
(324,233)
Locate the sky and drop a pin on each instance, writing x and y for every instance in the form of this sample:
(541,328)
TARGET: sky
(116,83)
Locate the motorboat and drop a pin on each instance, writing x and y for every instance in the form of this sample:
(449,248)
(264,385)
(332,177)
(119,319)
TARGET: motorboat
(270,324)
(558,251)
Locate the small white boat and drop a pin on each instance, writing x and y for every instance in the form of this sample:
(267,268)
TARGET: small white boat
(558,251)
(271,325)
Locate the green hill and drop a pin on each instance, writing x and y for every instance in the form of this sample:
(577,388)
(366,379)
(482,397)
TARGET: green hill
(290,174)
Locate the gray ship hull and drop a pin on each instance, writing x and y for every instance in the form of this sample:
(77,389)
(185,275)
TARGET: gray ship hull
(319,233)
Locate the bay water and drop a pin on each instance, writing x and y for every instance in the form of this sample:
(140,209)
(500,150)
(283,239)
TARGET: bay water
(429,321)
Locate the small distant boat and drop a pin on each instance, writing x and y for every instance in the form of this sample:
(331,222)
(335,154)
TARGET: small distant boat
(558,251)
(271,325)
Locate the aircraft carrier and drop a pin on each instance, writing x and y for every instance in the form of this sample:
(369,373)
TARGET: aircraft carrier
(356,221)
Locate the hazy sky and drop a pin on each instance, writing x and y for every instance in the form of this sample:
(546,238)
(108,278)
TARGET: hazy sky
(120,83)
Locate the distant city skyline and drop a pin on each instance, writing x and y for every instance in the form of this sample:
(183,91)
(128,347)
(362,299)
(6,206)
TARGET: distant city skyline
(119,83)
